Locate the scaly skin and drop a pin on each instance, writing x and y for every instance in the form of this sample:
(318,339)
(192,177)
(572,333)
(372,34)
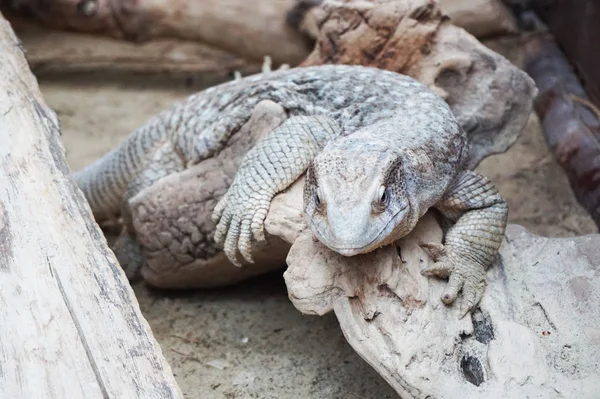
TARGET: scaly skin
(471,244)
(380,149)
(270,167)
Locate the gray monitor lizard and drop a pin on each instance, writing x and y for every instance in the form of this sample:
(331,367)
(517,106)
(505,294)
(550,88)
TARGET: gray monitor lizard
(379,149)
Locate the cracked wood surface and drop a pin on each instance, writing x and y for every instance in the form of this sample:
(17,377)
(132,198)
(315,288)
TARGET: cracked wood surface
(252,29)
(71,325)
(534,334)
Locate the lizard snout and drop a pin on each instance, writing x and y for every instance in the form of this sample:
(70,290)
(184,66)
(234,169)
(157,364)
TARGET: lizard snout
(348,232)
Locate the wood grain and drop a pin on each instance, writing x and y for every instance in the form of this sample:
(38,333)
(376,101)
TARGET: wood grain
(251,29)
(71,325)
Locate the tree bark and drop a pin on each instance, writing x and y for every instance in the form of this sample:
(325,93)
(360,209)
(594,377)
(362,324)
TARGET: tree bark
(252,29)
(71,325)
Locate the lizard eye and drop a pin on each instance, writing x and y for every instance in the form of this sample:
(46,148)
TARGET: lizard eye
(384,196)
(317,196)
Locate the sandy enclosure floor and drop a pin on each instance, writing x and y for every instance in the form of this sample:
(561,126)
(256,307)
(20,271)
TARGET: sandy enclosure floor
(248,341)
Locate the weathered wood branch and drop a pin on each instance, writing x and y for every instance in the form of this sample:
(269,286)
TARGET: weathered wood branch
(570,121)
(253,29)
(71,325)
(481,18)
(59,52)
(534,334)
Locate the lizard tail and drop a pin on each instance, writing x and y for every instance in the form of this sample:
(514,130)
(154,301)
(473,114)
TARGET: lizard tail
(105,181)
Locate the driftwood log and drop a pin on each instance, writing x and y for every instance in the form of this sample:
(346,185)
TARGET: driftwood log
(535,333)
(71,325)
(252,29)
(55,52)
(570,121)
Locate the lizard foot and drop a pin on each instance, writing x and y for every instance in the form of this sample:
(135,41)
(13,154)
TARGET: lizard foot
(129,254)
(269,167)
(239,218)
(463,273)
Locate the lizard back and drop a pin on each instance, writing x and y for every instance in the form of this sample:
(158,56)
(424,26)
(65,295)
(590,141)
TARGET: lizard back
(199,126)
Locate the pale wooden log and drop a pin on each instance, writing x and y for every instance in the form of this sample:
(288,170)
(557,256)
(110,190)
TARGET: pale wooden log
(534,334)
(481,18)
(252,29)
(54,52)
(71,325)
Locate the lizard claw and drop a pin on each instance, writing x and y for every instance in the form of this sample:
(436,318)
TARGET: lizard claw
(239,217)
(257,223)
(465,274)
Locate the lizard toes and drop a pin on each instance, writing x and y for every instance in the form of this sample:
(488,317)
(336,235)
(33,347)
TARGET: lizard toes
(439,269)
(244,242)
(222,228)
(472,292)
(435,251)
(230,246)
(452,288)
(258,222)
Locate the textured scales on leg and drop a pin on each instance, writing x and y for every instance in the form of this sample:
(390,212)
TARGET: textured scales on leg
(472,243)
(129,254)
(270,167)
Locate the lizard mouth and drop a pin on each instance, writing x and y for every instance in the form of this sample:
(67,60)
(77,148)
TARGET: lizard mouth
(366,248)
(350,251)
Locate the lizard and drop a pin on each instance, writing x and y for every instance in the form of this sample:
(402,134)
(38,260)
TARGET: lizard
(379,149)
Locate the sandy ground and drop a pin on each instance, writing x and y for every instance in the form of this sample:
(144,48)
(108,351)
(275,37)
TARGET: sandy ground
(248,341)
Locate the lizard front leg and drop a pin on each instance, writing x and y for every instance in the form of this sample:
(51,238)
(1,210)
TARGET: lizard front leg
(472,243)
(269,167)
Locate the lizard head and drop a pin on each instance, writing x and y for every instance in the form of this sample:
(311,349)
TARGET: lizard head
(356,201)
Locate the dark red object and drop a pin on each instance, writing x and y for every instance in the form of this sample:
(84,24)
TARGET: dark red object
(575,24)
(571,123)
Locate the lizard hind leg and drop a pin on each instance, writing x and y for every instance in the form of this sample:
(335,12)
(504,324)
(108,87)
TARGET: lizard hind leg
(126,248)
(129,254)
(273,164)
(472,243)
